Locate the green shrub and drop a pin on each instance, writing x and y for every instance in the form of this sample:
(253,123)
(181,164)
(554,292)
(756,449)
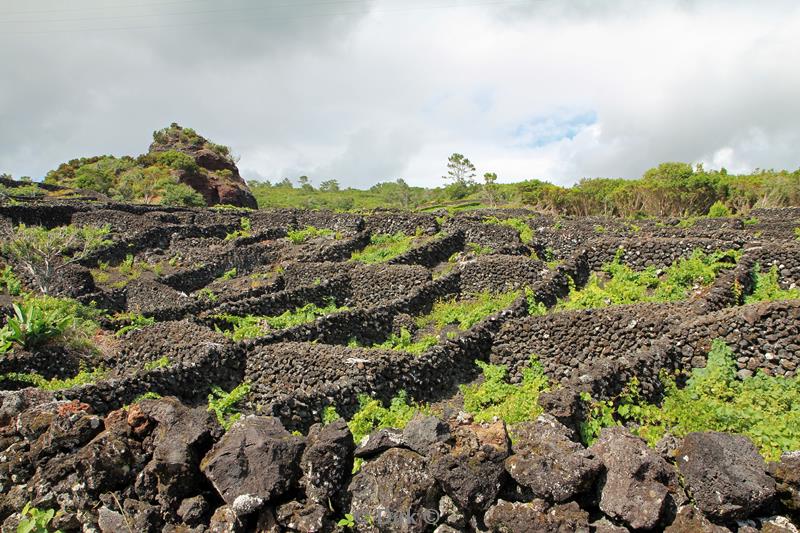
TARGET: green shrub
(372,415)
(467,312)
(524,231)
(35,520)
(31,327)
(84,377)
(329,415)
(132,322)
(223,404)
(229,274)
(768,289)
(250,326)
(177,160)
(43,253)
(623,285)
(8,280)
(763,407)
(476,249)
(161,362)
(718,210)
(405,343)
(496,397)
(383,247)
(245,230)
(180,194)
(300,236)
(207,294)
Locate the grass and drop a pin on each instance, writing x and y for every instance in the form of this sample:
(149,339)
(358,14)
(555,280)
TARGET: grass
(768,289)
(764,408)
(467,312)
(372,415)
(299,236)
(524,231)
(223,404)
(382,247)
(623,285)
(496,397)
(250,326)
(84,377)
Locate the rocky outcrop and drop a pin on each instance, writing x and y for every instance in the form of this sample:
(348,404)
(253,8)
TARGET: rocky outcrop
(214,174)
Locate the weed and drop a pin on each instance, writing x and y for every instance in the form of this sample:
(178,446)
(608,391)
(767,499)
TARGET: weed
(132,322)
(372,415)
(768,289)
(149,395)
(300,236)
(229,274)
(599,229)
(476,249)
(383,247)
(468,312)
(245,230)
(161,362)
(249,327)
(524,231)
(496,397)
(207,295)
(8,280)
(223,404)
(35,520)
(406,343)
(329,415)
(84,377)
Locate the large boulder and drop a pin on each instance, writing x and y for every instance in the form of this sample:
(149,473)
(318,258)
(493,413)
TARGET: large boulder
(689,519)
(214,175)
(395,490)
(327,461)
(548,462)
(471,472)
(424,432)
(639,487)
(256,459)
(725,475)
(536,517)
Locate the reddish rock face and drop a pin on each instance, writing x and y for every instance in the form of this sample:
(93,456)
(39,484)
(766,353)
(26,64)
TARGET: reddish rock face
(216,176)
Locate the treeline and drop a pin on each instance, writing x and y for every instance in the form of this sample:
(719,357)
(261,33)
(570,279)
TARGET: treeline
(670,189)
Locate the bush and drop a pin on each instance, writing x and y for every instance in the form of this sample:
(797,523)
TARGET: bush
(468,312)
(496,397)
(300,236)
(405,343)
(177,160)
(718,210)
(763,407)
(223,404)
(372,415)
(250,326)
(768,289)
(383,247)
(44,253)
(180,194)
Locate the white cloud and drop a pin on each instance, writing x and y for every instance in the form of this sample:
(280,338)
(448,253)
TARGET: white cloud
(389,89)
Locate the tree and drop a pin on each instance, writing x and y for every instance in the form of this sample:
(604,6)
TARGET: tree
(329,185)
(460,170)
(489,187)
(43,253)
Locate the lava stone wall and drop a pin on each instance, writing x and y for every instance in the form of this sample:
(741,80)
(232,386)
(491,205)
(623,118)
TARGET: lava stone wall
(642,253)
(784,256)
(402,221)
(500,273)
(562,341)
(496,236)
(431,253)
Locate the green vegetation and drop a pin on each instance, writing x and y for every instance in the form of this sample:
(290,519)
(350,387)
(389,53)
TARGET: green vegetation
(383,247)
(128,270)
(405,343)
(308,233)
(207,294)
(40,319)
(223,404)
(524,231)
(10,282)
(250,327)
(29,190)
(496,397)
(476,249)
(245,230)
(43,253)
(467,312)
(229,274)
(84,377)
(623,285)
(149,395)
(797,233)
(767,288)
(372,415)
(161,362)
(132,322)
(718,210)
(329,415)
(765,408)
(670,189)
(35,520)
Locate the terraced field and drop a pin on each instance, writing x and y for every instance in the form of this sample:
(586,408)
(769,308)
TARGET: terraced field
(206,370)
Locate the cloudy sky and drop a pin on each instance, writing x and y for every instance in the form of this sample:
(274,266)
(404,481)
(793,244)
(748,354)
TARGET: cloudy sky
(371,90)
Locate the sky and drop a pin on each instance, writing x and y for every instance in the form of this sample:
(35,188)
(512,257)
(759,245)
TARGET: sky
(364,91)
